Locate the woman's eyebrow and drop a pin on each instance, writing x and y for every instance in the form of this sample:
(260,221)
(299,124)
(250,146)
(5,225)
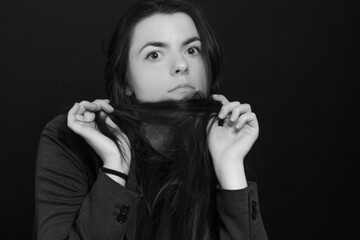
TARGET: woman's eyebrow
(162,44)
(190,40)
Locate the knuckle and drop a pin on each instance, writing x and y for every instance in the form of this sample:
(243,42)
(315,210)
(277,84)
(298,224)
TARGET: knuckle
(247,106)
(224,109)
(236,109)
(101,103)
(69,124)
(98,101)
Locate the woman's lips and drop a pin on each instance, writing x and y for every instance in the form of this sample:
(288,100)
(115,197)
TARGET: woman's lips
(183,88)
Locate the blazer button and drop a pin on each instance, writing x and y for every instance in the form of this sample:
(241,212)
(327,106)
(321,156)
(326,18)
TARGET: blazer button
(122,218)
(124,209)
(253,204)
(253,214)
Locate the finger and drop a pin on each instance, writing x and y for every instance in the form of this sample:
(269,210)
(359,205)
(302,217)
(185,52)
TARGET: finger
(89,117)
(71,117)
(240,109)
(247,118)
(104,105)
(73,111)
(95,106)
(79,117)
(225,109)
(87,106)
(108,120)
(213,121)
(220,98)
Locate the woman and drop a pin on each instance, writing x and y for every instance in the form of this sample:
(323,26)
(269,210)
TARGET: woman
(160,50)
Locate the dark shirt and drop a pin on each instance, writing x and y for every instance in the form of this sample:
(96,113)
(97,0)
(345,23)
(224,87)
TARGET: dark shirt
(74,199)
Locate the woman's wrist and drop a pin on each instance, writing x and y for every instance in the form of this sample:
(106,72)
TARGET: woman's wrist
(116,179)
(232,177)
(116,167)
(116,173)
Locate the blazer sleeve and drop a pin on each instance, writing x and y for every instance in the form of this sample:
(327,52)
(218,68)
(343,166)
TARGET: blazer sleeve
(68,204)
(239,214)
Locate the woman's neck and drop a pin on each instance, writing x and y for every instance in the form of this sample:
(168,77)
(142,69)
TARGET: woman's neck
(156,135)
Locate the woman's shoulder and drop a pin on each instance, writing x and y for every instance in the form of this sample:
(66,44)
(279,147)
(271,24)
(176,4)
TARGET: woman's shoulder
(58,127)
(58,122)
(56,132)
(65,146)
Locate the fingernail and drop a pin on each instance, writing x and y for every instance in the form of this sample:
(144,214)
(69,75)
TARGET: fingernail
(232,118)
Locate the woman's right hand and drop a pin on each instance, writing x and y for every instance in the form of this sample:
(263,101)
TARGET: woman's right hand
(81,119)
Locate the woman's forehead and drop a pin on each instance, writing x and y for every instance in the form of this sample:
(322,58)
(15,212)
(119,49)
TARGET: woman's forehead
(171,28)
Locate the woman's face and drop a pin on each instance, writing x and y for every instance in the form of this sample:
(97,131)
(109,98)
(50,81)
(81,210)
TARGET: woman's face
(165,52)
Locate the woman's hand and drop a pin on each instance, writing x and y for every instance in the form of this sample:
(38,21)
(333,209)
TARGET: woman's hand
(81,119)
(229,144)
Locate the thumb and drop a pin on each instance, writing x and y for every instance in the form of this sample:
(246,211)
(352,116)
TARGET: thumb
(108,120)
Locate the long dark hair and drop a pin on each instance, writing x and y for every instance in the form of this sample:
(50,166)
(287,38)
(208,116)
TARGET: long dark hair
(178,179)
(117,52)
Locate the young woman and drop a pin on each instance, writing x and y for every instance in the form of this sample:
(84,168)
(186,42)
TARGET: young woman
(85,186)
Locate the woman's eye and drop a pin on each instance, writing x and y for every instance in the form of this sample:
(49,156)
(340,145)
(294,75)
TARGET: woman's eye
(193,51)
(153,56)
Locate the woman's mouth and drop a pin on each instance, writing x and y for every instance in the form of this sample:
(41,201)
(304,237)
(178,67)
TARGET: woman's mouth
(184,87)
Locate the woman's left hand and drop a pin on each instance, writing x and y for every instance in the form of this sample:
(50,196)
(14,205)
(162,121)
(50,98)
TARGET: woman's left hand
(229,144)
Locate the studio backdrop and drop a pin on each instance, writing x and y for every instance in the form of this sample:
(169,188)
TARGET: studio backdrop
(295,62)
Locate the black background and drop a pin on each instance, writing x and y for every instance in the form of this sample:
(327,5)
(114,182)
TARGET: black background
(295,62)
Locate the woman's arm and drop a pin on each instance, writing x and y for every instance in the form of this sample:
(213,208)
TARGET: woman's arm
(236,199)
(71,201)
(230,142)
(239,214)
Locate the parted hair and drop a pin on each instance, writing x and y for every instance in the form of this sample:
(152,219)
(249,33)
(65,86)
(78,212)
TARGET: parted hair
(117,51)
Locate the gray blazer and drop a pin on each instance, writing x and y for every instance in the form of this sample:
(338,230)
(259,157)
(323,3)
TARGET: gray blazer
(76,200)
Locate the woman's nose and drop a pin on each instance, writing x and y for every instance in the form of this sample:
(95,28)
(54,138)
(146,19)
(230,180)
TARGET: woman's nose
(180,66)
